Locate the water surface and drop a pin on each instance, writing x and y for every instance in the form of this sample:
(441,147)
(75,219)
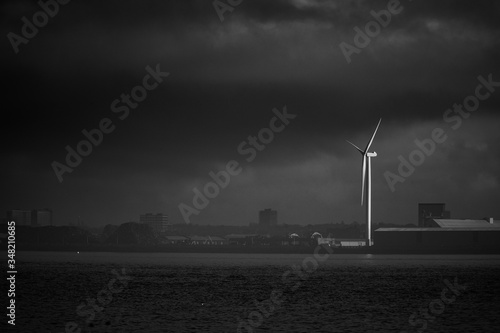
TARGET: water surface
(175,292)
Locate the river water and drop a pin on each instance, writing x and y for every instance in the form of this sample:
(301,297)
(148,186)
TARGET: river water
(211,292)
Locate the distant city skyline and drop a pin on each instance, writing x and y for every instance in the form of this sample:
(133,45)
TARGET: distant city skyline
(427,212)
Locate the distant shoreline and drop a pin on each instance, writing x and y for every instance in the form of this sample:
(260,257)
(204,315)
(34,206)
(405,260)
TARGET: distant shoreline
(242,249)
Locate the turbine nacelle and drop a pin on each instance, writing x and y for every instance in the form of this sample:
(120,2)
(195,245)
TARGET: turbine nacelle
(374,154)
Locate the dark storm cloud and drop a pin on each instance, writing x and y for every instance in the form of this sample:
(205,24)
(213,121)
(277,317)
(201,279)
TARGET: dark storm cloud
(226,77)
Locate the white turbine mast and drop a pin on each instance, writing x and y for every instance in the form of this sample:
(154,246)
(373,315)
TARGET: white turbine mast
(366,177)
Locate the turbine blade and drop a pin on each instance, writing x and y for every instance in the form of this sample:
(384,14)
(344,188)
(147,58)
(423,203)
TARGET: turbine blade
(363,180)
(355,146)
(373,137)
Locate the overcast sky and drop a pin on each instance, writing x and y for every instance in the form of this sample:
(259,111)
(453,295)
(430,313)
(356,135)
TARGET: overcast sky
(225,78)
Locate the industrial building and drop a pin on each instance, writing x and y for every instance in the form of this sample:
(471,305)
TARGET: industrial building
(443,235)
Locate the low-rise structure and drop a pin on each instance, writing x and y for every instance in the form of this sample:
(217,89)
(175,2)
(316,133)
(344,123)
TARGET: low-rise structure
(342,242)
(175,240)
(214,240)
(447,234)
(241,239)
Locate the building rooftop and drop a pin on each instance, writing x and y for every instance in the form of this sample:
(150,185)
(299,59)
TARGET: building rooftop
(456,223)
(198,238)
(175,237)
(440,229)
(241,235)
(216,238)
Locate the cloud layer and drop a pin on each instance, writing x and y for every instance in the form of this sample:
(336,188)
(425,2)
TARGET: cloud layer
(225,79)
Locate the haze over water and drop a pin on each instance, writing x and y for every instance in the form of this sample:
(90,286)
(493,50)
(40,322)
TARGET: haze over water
(209,292)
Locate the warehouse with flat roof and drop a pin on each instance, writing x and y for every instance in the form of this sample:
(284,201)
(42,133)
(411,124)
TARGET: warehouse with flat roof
(447,235)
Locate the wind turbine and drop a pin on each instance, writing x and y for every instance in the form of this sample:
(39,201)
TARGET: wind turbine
(367,178)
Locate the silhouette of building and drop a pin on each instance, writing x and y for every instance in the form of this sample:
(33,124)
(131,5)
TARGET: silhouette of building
(157,222)
(32,218)
(20,216)
(268,217)
(427,212)
(41,217)
(451,235)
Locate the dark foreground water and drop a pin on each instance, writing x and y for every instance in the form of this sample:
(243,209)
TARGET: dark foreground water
(175,292)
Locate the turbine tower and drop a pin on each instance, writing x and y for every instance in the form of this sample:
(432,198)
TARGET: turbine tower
(366,177)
